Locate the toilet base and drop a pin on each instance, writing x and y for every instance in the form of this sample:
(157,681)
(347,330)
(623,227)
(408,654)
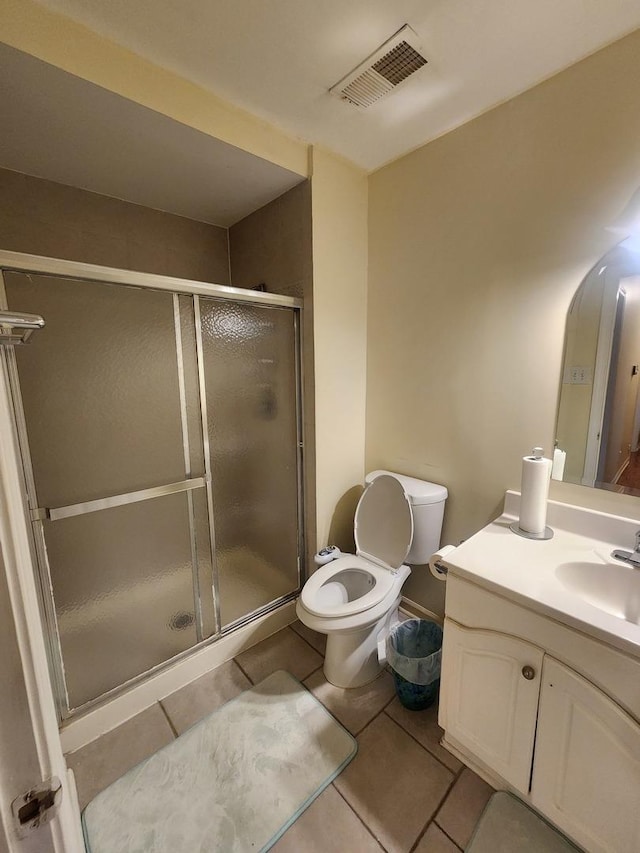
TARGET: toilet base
(351,659)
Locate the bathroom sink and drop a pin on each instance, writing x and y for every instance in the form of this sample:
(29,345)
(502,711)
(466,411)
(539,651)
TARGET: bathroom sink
(611,587)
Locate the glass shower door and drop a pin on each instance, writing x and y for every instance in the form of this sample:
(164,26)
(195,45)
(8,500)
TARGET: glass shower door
(117,492)
(251,419)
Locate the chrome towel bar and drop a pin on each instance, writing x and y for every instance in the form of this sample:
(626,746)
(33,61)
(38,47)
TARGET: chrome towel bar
(43,513)
(27,323)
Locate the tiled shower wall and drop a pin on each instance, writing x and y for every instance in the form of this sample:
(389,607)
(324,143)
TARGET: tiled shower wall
(45,218)
(272,246)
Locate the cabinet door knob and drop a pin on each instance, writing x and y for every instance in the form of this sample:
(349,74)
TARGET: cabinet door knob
(529,672)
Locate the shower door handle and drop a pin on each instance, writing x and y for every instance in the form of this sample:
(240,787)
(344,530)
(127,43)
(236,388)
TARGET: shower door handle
(116,500)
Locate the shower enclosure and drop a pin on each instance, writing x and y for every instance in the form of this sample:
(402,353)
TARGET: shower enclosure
(159,426)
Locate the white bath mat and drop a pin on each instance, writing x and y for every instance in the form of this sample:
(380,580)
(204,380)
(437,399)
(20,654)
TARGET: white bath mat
(507,825)
(233,783)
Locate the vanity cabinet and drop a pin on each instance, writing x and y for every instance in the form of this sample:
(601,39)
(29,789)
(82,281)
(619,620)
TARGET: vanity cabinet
(491,699)
(586,768)
(532,724)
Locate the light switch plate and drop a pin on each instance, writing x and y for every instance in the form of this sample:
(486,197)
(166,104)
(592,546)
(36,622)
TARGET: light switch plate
(578,375)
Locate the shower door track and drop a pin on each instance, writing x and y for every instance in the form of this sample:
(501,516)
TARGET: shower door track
(35,515)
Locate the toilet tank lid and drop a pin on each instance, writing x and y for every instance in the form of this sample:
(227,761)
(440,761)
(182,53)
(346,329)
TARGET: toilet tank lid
(419,492)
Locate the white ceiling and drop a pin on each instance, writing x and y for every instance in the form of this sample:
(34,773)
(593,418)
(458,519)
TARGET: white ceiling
(59,127)
(278,59)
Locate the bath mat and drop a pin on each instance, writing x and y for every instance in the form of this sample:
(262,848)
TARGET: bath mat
(507,824)
(234,782)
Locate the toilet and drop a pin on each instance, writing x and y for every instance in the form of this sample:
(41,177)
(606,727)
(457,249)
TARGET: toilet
(354,599)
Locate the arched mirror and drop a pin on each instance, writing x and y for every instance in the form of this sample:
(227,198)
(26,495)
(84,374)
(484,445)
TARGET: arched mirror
(598,425)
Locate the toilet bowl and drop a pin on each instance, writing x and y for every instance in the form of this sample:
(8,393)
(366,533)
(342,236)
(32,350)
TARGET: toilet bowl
(354,599)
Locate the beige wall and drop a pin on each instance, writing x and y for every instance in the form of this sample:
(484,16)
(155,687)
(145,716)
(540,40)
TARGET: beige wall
(45,218)
(339,204)
(478,242)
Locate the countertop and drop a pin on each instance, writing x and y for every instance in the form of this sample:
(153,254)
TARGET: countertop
(524,570)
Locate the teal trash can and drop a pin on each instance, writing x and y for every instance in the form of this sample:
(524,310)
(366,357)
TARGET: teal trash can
(414,652)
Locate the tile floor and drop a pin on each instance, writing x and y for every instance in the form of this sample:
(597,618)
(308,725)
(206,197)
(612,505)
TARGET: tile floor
(402,792)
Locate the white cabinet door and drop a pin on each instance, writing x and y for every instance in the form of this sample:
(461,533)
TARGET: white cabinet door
(489,698)
(586,773)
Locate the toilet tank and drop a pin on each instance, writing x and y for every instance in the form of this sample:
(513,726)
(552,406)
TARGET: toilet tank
(427,505)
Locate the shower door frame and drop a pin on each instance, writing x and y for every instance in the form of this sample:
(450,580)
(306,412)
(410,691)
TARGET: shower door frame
(75,270)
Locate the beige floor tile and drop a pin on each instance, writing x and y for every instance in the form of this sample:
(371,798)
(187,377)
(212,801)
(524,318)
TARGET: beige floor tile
(393,784)
(109,757)
(318,641)
(435,841)
(462,809)
(356,707)
(284,650)
(193,702)
(327,826)
(423,725)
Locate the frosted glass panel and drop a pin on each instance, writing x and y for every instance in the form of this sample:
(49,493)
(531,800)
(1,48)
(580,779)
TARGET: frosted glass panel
(249,366)
(123,591)
(99,387)
(111,393)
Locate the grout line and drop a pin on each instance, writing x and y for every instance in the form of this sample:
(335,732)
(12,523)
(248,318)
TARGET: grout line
(444,832)
(313,672)
(375,717)
(377,714)
(433,822)
(368,723)
(171,726)
(317,651)
(369,830)
(244,672)
(442,801)
(432,819)
(421,835)
(455,773)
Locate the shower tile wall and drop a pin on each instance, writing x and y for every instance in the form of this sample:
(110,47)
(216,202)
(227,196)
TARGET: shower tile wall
(45,218)
(273,246)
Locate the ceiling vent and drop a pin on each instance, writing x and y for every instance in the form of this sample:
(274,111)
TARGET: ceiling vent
(393,62)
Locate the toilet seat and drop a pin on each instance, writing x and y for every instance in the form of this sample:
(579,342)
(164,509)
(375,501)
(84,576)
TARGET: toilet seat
(383,581)
(383,529)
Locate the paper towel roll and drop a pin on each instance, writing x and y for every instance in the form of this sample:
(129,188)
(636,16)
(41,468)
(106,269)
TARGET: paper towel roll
(536,474)
(435,566)
(559,459)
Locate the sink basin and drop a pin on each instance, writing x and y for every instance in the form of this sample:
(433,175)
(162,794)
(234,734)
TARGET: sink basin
(611,587)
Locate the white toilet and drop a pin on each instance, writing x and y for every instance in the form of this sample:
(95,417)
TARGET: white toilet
(354,599)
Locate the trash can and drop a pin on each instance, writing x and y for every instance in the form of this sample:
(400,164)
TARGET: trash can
(414,651)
